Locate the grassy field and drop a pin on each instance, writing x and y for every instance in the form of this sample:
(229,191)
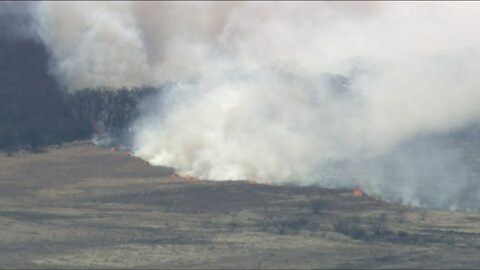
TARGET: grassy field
(81,206)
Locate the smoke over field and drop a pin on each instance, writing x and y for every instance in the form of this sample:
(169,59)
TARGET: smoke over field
(378,95)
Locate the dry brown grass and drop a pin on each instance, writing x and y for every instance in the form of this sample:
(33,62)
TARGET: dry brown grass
(82,206)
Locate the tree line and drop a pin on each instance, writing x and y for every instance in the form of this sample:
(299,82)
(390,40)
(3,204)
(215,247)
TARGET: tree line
(35,111)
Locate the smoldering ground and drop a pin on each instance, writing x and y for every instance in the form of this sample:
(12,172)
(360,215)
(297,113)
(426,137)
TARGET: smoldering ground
(336,94)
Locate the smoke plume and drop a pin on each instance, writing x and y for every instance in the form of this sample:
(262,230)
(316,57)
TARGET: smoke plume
(329,93)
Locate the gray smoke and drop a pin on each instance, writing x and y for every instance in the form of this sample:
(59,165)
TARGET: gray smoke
(329,93)
(16,20)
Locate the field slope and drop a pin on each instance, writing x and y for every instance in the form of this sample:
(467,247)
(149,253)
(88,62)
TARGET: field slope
(81,206)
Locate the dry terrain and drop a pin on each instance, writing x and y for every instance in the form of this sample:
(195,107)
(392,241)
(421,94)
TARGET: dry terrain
(81,206)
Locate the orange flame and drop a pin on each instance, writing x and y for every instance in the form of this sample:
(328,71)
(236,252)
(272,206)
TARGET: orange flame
(189,178)
(357,192)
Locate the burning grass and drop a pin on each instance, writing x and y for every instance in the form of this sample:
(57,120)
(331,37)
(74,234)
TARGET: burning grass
(79,206)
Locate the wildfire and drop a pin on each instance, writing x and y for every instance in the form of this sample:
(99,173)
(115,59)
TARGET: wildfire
(189,178)
(255,182)
(357,193)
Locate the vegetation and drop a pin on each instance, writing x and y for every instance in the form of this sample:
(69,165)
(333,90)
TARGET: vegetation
(35,111)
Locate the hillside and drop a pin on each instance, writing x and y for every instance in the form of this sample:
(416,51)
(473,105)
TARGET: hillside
(80,206)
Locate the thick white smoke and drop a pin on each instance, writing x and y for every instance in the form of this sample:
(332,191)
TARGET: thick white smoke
(93,44)
(281,91)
